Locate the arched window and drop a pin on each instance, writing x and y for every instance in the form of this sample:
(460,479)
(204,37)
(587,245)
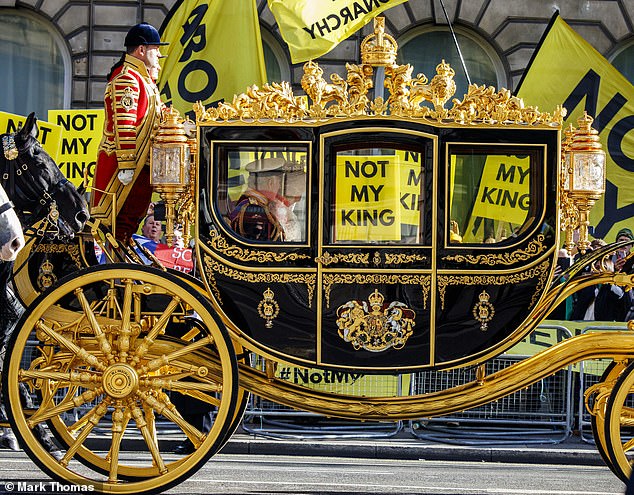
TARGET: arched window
(426,47)
(35,65)
(623,60)
(277,68)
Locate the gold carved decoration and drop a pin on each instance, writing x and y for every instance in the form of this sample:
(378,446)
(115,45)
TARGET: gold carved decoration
(330,279)
(356,258)
(46,277)
(534,248)
(400,258)
(381,327)
(484,311)
(268,309)
(347,97)
(540,271)
(212,267)
(71,249)
(219,244)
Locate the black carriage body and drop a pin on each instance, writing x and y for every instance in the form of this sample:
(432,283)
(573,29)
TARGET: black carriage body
(450,295)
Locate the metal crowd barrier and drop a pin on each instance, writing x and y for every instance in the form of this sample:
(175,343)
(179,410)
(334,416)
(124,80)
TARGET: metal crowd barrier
(266,418)
(540,414)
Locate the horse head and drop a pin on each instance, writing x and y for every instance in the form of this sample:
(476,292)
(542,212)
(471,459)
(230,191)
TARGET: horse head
(11,238)
(36,185)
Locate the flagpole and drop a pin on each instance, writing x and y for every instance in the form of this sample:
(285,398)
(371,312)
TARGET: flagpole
(455,40)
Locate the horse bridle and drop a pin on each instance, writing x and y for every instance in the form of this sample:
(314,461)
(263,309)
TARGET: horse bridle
(4,207)
(29,192)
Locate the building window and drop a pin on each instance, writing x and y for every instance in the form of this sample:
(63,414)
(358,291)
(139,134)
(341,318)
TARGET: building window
(426,47)
(36,65)
(623,60)
(275,60)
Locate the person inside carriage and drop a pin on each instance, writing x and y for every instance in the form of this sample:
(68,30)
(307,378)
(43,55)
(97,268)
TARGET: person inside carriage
(266,210)
(132,107)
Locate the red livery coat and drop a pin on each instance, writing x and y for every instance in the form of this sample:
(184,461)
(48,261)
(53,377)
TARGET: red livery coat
(132,111)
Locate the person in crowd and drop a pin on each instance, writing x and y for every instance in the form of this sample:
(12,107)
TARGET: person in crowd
(622,253)
(132,109)
(152,229)
(264,212)
(564,310)
(605,302)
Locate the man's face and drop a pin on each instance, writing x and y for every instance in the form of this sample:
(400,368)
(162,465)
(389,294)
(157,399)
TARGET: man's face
(150,55)
(152,229)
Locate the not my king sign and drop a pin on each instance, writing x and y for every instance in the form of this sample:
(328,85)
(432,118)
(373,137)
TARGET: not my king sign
(376,195)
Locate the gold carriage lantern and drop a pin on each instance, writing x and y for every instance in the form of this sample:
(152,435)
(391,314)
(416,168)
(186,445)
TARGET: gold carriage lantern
(169,165)
(584,180)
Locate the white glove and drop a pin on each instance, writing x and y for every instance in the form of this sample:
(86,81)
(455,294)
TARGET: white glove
(125,176)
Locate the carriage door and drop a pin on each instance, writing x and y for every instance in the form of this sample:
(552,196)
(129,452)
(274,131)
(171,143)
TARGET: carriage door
(375,241)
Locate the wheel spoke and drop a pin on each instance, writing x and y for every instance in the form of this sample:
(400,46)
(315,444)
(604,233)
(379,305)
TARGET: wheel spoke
(148,436)
(158,383)
(195,435)
(166,359)
(119,423)
(81,353)
(62,379)
(628,445)
(90,419)
(123,342)
(66,405)
(104,345)
(158,327)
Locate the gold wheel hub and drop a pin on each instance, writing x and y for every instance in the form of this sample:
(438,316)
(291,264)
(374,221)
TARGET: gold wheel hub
(120,380)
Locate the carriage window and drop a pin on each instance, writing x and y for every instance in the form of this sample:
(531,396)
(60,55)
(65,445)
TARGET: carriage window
(490,193)
(261,191)
(378,196)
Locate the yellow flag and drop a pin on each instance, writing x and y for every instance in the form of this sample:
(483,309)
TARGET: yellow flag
(214,52)
(568,71)
(312,28)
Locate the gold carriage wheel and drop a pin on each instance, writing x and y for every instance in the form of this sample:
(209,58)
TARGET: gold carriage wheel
(100,344)
(601,393)
(619,425)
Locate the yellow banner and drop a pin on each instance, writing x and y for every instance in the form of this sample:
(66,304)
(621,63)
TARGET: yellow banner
(49,136)
(411,182)
(215,52)
(367,199)
(568,71)
(312,28)
(504,192)
(81,134)
(346,382)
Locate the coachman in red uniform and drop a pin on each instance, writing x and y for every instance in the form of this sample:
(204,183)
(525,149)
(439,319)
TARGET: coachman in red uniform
(132,103)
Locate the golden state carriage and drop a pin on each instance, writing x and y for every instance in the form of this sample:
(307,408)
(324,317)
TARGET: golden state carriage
(419,234)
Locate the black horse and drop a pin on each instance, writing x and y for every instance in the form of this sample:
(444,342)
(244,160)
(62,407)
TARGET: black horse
(35,184)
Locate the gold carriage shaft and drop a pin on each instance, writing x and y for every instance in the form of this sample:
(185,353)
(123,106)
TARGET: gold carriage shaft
(343,230)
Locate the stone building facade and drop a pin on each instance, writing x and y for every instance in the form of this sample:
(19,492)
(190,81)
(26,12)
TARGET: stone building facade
(93,32)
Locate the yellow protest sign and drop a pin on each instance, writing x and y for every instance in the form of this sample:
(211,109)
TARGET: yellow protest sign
(504,192)
(49,136)
(312,28)
(367,199)
(566,70)
(81,135)
(411,184)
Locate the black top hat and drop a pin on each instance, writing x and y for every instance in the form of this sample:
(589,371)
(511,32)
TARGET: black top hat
(143,34)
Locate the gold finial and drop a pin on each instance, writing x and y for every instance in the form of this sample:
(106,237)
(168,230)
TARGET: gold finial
(379,48)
